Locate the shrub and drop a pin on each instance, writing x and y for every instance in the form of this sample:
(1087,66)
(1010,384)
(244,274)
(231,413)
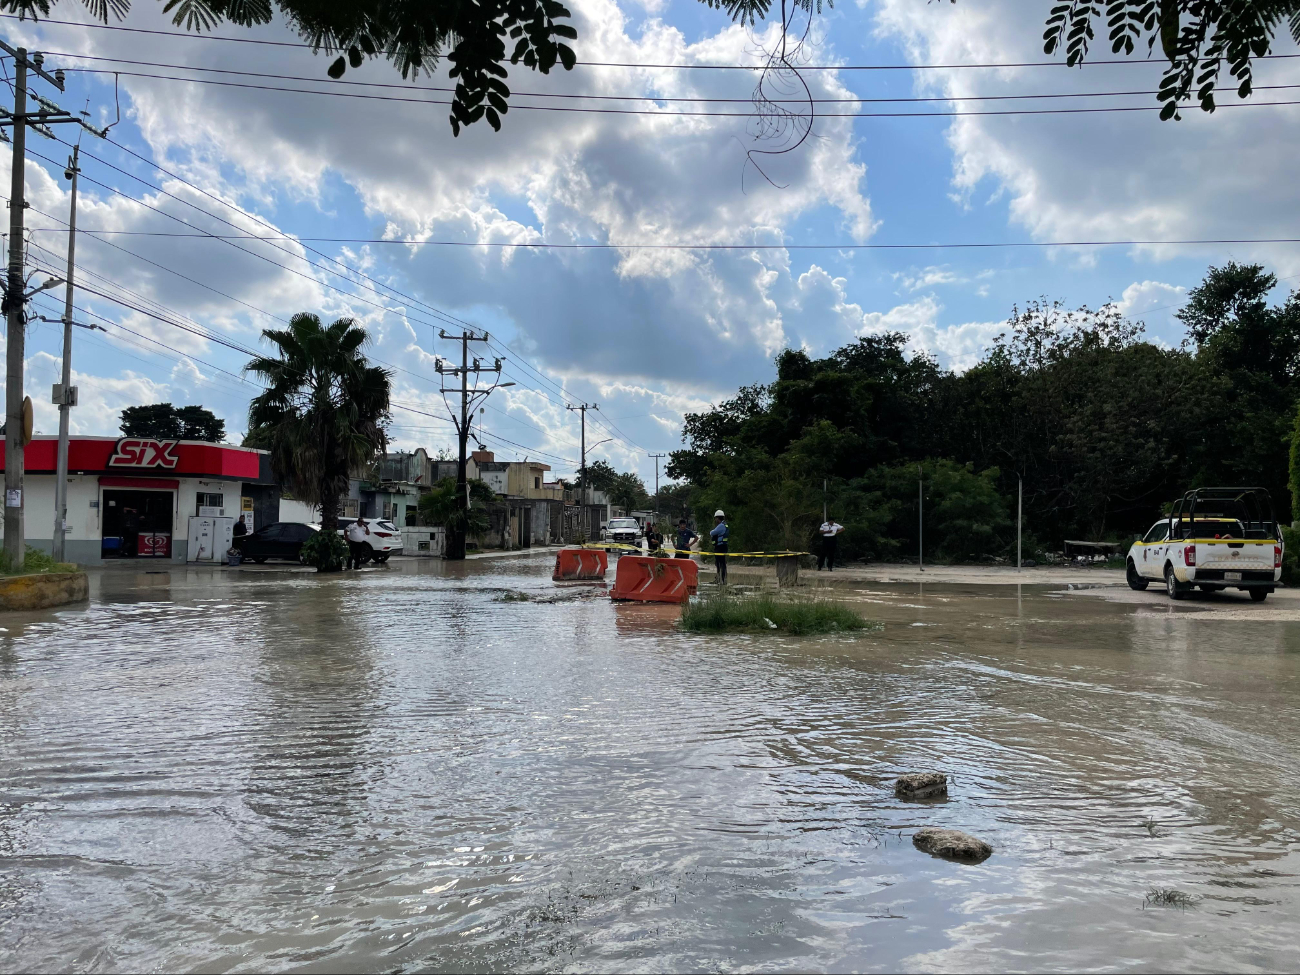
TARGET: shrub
(35,562)
(800,615)
(1291,556)
(326,551)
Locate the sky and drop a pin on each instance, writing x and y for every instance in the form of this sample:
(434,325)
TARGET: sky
(331,192)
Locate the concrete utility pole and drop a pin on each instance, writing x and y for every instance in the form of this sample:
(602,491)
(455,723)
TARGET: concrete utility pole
(65,395)
(1020,509)
(456,538)
(656,458)
(15,295)
(15,322)
(582,471)
(825,515)
(920,517)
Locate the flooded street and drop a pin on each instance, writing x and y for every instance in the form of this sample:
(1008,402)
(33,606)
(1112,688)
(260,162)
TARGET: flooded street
(400,770)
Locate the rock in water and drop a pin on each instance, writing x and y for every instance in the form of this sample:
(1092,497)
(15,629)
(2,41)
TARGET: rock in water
(921,785)
(952,844)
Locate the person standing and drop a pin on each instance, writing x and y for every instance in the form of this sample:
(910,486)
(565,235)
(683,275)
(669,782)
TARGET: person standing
(720,536)
(355,534)
(130,532)
(684,539)
(830,531)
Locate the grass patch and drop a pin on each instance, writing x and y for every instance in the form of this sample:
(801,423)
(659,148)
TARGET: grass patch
(1168,897)
(34,563)
(801,615)
(514,596)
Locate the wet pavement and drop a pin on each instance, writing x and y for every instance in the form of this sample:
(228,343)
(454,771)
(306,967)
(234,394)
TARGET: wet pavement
(411,768)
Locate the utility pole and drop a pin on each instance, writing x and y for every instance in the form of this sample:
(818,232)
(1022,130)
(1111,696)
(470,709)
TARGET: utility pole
(456,537)
(825,515)
(16,324)
(656,458)
(16,294)
(582,471)
(920,517)
(65,394)
(1020,510)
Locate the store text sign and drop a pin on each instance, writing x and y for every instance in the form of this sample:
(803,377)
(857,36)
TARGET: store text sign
(140,452)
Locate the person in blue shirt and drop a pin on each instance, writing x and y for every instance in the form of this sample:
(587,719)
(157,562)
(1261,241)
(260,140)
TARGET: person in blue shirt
(720,535)
(684,538)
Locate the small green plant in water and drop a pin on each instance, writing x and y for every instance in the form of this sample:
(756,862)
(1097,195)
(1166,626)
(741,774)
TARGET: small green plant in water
(764,612)
(326,551)
(514,597)
(1168,897)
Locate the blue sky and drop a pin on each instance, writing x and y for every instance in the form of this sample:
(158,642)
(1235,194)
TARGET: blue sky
(647,334)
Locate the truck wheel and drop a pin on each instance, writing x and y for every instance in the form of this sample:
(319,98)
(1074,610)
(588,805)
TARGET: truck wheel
(1175,588)
(1258,595)
(1135,581)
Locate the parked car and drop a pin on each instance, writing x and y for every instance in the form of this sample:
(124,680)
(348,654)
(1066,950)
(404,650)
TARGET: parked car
(624,531)
(1214,538)
(383,539)
(278,540)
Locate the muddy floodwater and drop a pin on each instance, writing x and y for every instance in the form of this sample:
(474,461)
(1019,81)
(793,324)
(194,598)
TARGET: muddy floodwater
(399,770)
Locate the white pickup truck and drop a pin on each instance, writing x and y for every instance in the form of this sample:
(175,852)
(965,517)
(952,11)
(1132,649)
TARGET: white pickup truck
(1214,538)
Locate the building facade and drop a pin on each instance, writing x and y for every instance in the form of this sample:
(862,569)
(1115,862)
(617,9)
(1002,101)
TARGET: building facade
(134,497)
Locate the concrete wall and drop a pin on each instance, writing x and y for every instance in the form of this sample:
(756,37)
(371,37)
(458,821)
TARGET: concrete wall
(427,542)
(293,510)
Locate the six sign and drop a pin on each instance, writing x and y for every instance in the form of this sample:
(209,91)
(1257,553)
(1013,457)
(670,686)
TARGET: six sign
(140,452)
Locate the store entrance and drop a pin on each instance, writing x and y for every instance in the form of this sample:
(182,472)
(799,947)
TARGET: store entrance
(137,524)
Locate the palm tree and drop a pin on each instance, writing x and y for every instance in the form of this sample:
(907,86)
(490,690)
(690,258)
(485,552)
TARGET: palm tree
(323,411)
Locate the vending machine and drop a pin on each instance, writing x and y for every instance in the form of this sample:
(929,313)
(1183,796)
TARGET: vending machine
(210,538)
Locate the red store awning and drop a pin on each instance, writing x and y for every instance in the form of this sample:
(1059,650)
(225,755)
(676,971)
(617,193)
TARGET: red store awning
(142,457)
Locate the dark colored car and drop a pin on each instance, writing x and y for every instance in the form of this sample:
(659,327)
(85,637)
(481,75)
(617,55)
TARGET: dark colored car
(278,540)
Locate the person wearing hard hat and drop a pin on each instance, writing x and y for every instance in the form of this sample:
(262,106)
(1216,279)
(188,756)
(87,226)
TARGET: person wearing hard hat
(720,535)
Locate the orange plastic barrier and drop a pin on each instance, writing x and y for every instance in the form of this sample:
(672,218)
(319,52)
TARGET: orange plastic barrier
(651,580)
(572,564)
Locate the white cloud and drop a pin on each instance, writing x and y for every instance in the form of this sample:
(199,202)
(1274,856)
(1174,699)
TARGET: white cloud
(1103,176)
(929,277)
(692,317)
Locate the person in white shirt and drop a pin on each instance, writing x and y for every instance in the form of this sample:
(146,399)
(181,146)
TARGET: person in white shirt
(830,531)
(355,534)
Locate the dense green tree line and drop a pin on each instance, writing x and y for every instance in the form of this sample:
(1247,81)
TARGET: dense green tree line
(1104,427)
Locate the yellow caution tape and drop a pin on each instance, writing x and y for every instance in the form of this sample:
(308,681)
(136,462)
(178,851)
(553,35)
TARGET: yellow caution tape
(607,546)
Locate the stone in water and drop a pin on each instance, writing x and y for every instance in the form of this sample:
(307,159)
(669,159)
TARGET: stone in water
(951,844)
(921,785)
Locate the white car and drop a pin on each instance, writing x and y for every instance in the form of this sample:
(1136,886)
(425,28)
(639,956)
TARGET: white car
(383,537)
(624,531)
(1215,538)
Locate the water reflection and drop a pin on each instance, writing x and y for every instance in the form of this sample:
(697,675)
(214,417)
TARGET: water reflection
(400,770)
(310,722)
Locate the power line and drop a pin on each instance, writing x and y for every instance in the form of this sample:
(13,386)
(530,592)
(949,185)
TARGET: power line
(438,313)
(843,245)
(583,96)
(206,333)
(304,45)
(671,113)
